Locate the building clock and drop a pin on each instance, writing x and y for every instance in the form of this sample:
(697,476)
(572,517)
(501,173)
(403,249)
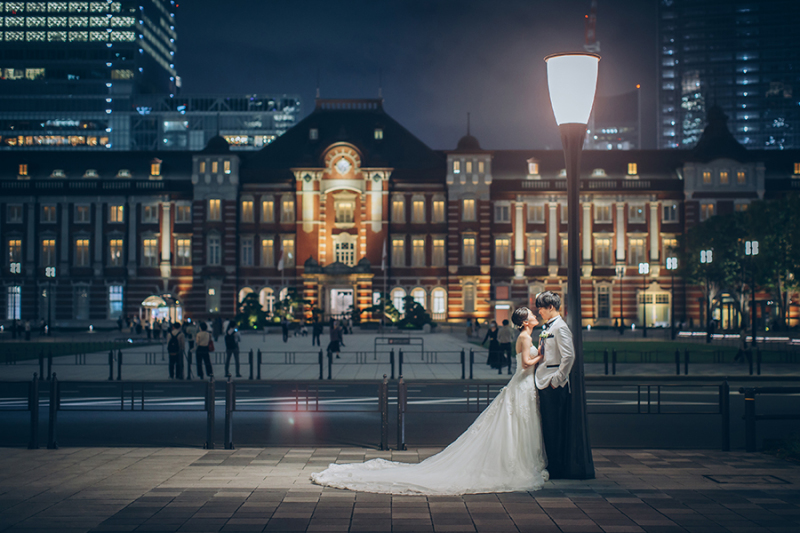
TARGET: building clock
(343,165)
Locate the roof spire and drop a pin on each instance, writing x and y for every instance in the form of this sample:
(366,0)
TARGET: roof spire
(467,122)
(380,83)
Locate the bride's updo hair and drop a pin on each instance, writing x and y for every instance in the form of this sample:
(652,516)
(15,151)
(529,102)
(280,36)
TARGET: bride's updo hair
(520,315)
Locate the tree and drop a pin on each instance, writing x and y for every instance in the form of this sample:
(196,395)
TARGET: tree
(384,308)
(415,315)
(251,315)
(291,304)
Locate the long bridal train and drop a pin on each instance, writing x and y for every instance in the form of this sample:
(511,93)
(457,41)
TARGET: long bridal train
(502,451)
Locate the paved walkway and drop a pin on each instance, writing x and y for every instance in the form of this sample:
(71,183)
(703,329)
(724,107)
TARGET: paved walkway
(268,489)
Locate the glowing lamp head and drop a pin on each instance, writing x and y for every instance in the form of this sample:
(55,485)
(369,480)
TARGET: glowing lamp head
(572,82)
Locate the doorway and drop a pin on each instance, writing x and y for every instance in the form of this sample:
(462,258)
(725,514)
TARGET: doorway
(341,302)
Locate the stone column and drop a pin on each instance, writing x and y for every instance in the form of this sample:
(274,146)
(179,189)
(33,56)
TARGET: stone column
(519,240)
(98,240)
(654,266)
(132,244)
(30,246)
(166,239)
(552,237)
(620,231)
(63,265)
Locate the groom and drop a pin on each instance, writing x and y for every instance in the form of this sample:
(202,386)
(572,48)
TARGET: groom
(552,380)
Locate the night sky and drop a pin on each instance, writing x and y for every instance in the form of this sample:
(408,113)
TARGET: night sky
(439,59)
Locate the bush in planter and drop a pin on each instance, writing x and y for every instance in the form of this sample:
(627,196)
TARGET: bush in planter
(251,315)
(383,308)
(415,315)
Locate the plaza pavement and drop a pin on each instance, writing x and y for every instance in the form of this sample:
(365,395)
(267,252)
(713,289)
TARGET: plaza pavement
(98,490)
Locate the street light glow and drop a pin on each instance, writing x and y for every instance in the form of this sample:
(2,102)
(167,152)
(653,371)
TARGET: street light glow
(644,268)
(572,81)
(672,263)
(706,256)
(751,248)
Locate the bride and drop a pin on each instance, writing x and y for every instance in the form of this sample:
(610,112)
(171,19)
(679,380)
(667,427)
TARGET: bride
(501,452)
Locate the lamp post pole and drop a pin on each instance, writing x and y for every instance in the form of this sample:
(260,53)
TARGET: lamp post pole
(572,81)
(620,274)
(672,265)
(644,270)
(751,250)
(706,258)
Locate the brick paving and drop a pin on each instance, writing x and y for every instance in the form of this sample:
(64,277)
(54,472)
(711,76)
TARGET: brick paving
(101,490)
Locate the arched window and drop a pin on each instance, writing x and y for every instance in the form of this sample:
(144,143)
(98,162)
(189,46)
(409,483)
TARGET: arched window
(397,299)
(266,297)
(243,293)
(420,296)
(469,297)
(439,303)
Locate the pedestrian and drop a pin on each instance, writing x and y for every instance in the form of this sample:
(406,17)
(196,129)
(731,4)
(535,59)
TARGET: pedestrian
(350,324)
(469,328)
(164,327)
(147,329)
(204,345)
(119,323)
(189,331)
(42,327)
(316,331)
(216,328)
(27,330)
(303,329)
(478,328)
(493,360)
(232,340)
(285,328)
(176,344)
(334,346)
(505,337)
(156,327)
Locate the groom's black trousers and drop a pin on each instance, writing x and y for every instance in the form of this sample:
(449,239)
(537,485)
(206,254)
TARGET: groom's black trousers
(554,408)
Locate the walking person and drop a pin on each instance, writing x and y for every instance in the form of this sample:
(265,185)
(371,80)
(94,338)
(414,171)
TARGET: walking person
(232,340)
(147,329)
(316,331)
(204,345)
(478,328)
(164,327)
(285,329)
(334,346)
(494,359)
(156,327)
(505,337)
(469,328)
(176,344)
(189,331)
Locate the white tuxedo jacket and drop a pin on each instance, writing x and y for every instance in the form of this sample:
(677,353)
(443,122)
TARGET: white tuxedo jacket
(559,355)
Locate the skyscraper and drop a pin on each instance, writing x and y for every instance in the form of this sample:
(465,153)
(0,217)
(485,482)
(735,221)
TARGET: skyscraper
(740,55)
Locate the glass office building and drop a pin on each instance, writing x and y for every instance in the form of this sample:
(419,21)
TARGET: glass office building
(737,54)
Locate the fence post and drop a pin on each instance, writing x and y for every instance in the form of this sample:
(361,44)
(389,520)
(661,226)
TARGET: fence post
(52,443)
(321,366)
(230,395)
(750,361)
(250,361)
(613,362)
(33,405)
(119,365)
(330,364)
(111,364)
(758,361)
(677,362)
(258,364)
(749,419)
(383,402)
(605,361)
(401,414)
(399,364)
(471,361)
(41,363)
(391,361)
(210,412)
(686,361)
(463,364)
(50,364)
(725,412)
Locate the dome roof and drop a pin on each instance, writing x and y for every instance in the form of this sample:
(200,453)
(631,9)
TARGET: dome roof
(217,145)
(717,140)
(468,143)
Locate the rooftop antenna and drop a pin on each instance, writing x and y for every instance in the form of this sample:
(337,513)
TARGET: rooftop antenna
(380,83)
(317,83)
(591,43)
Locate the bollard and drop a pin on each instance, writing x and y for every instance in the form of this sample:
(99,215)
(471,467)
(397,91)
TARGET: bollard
(463,364)
(399,364)
(725,413)
(258,364)
(605,361)
(686,361)
(613,362)
(677,362)
(52,442)
(41,363)
(758,361)
(33,405)
(321,366)
(50,364)
(391,361)
(471,361)
(401,414)
(330,364)
(250,361)
(749,419)
(210,412)
(111,365)
(383,405)
(230,395)
(119,365)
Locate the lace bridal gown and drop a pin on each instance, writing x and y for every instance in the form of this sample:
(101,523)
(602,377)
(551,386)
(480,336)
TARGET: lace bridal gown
(501,452)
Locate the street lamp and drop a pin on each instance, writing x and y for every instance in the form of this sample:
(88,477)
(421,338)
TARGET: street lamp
(672,266)
(572,82)
(751,250)
(644,270)
(706,258)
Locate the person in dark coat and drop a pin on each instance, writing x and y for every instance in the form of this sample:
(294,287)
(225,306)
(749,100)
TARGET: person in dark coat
(495,359)
(316,331)
(334,346)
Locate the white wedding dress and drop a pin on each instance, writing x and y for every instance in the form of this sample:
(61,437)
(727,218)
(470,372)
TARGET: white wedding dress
(502,451)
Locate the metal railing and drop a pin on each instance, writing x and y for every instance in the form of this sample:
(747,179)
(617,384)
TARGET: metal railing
(23,396)
(750,416)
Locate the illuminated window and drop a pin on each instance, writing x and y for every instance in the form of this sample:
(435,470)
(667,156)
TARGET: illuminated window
(183,214)
(214,250)
(115,252)
(345,252)
(741,177)
(419,296)
(201,167)
(502,213)
(418,210)
(468,251)
(48,257)
(114,301)
(287,210)
(437,253)
(670,212)
(633,169)
(378,134)
(796,168)
(35,73)
(121,73)
(398,209)
(247,251)
(15,256)
(155,168)
(49,214)
(14,302)
(149,252)
(604,301)
(215,209)
(602,251)
(267,252)
(670,246)
(564,213)
(247,211)
(78,36)
(78,22)
(636,214)
(707,177)
(706,210)
(469,167)
(502,252)
(456,167)
(740,207)
(226,166)
(23,169)
(344,211)
(214,167)
(533,168)
(79,7)
(438,211)
(14,213)
(398,299)
(602,213)
(288,252)
(723,177)
(82,214)
(398,252)
(481,167)
(536,251)
(418,252)
(469,297)
(468,209)
(115,213)
(267,210)
(564,251)
(313,134)
(183,251)
(149,214)
(535,214)
(636,251)
(439,301)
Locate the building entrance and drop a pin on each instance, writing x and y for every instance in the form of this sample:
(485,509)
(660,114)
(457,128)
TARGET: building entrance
(341,302)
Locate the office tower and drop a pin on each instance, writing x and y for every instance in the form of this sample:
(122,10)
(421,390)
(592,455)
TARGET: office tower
(740,55)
